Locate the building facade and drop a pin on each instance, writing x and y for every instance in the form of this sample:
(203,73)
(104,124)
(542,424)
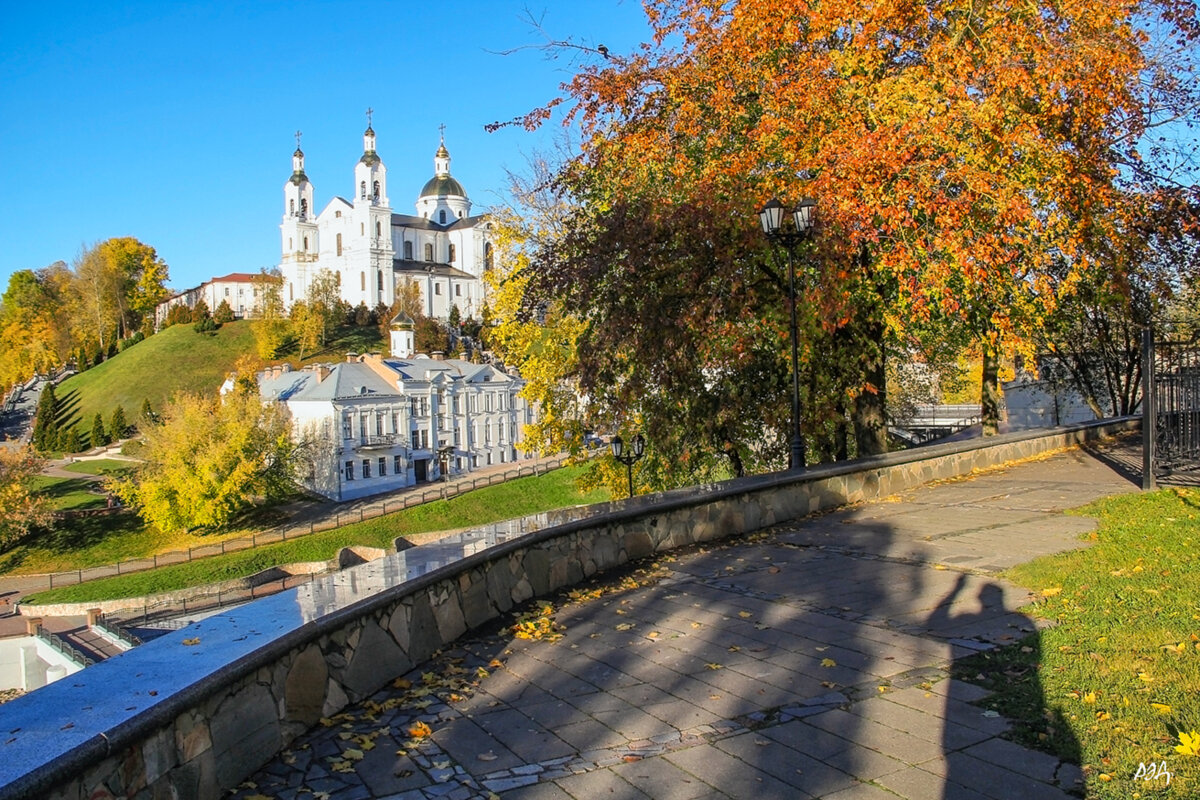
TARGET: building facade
(373,251)
(372,424)
(239,289)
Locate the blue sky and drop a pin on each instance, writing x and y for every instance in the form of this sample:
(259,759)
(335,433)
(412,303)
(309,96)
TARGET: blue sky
(174,122)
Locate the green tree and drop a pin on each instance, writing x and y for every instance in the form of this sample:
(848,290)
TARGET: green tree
(45,423)
(200,311)
(223,313)
(69,441)
(324,302)
(271,327)
(21,508)
(117,426)
(99,436)
(146,416)
(209,461)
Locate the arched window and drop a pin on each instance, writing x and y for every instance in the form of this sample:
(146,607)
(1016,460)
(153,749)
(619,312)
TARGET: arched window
(487,255)
(428,251)
(291,206)
(408,250)
(303,206)
(379,280)
(442,217)
(378,229)
(363,280)
(452,253)
(339,244)
(306,244)
(362,189)
(376,187)
(289,243)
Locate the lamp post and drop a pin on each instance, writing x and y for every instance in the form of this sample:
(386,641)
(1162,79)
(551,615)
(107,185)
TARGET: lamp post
(628,459)
(773,221)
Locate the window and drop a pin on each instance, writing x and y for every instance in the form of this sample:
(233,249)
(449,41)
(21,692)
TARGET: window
(306,244)
(291,206)
(379,281)
(349,470)
(502,454)
(379,424)
(489,459)
(289,243)
(442,217)
(362,427)
(362,229)
(366,468)
(437,289)
(227,291)
(376,188)
(474,461)
(457,289)
(363,280)
(337,214)
(452,253)
(303,207)
(487,255)
(395,422)
(382,466)
(362,189)
(378,229)
(339,240)
(408,250)
(347,426)
(428,251)
(397,465)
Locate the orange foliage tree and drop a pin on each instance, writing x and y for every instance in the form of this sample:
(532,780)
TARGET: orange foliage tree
(966,158)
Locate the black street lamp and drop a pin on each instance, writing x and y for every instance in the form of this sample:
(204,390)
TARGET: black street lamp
(628,459)
(789,237)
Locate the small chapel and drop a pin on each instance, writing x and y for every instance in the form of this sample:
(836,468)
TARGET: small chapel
(373,251)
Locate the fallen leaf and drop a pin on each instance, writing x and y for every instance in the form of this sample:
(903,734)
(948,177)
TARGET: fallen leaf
(625,626)
(713,666)
(828,662)
(1051,591)
(353,755)
(419,730)
(1161,708)
(193,641)
(745,614)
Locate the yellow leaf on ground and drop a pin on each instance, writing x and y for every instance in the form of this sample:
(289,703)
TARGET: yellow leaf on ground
(713,666)
(1189,744)
(625,626)
(419,730)
(1051,591)
(1161,708)
(353,754)
(828,662)
(402,683)
(1089,698)
(745,614)
(192,642)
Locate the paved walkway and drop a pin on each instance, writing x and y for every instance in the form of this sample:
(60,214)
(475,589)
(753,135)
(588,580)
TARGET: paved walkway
(809,660)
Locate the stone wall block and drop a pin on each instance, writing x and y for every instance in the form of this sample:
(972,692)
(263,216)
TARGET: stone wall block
(606,553)
(158,754)
(376,660)
(335,698)
(196,779)
(304,688)
(424,639)
(245,733)
(537,569)
(478,607)
(448,612)
(636,544)
(522,590)
(500,585)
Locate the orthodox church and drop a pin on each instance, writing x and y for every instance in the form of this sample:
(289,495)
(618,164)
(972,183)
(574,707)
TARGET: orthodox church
(373,252)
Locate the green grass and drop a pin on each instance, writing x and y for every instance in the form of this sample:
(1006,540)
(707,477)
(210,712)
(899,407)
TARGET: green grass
(1118,678)
(504,501)
(179,359)
(66,494)
(100,466)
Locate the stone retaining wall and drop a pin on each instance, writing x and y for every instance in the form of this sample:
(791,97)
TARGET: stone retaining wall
(192,715)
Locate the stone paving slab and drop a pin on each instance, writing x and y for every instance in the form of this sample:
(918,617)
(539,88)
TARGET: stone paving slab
(810,660)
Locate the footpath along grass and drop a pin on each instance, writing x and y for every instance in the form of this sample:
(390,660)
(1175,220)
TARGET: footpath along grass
(508,500)
(1116,683)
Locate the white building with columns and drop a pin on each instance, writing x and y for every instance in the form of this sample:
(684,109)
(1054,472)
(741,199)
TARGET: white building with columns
(374,424)
(372,251)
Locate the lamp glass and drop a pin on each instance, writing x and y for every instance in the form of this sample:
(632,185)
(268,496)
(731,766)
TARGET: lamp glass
(803,214)
(617,446)
(639,445)
(771,216)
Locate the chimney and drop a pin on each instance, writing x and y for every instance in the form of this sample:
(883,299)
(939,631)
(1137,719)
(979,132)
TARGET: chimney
(322,372)
(438,355)
(351,357)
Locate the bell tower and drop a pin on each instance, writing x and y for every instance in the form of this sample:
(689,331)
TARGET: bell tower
(298,229)
(375,279)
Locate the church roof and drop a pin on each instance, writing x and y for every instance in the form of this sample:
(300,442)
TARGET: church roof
(443,186)
(370,158)
(421,223)
(298,177)
(402,320)
(425,267)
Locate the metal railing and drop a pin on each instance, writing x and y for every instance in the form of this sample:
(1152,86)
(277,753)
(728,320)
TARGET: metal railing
(70,653)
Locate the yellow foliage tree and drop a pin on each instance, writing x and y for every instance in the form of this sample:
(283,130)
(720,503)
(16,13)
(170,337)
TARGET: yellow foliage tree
(20,507)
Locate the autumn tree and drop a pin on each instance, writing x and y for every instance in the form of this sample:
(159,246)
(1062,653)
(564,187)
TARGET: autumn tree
(270,327)
(224,313)
(119,282)
(964,162)
(21,508)
(210,460)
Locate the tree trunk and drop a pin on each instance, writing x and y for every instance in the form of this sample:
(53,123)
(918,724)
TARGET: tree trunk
(870,421)
(990,390)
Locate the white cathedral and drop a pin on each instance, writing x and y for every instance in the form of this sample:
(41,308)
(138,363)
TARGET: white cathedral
(373,252)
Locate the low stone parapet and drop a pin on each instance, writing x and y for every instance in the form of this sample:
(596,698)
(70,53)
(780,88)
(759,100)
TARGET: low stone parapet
(191,714)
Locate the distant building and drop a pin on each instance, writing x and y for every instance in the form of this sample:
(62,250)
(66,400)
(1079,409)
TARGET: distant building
(236,288)
(377,424)
(373,252)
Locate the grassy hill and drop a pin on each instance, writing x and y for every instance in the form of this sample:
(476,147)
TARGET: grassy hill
(177,359)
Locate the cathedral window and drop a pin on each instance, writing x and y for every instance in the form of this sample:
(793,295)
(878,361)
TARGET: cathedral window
(363,277)
(291,206)
(487,255)
(303,207)
(437,289)
(408,250)
(376,188)
(339,244)
(378,230)
(428,251)
(442,217)
(451,253)
(458,290)
(362,189)
(460,215)
(379,281)
(306,244)
(337,214)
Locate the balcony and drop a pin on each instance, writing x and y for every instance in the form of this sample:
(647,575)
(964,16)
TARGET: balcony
(376,442)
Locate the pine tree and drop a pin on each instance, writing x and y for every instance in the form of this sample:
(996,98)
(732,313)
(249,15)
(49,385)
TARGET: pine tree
(117,424)
(45,427)
(223,313)
(69,441)
(99,436)
(200,311)
(146,415)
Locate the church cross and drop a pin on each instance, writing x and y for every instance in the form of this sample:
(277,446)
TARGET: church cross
(370,111)
(442,130)
(297,140)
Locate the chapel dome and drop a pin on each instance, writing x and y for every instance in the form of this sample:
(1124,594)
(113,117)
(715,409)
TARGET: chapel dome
(443,186)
